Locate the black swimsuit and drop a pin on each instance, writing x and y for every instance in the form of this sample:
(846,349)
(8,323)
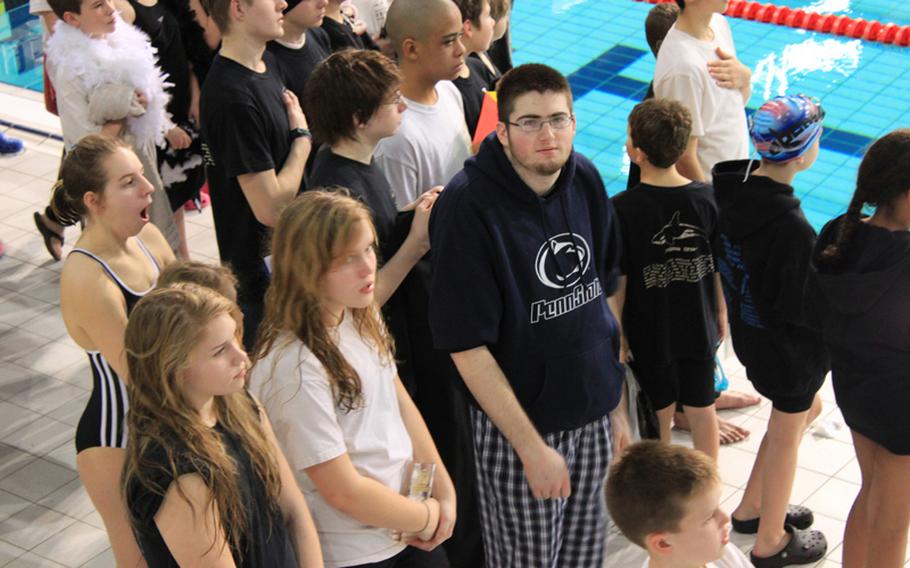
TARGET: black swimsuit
(103,421)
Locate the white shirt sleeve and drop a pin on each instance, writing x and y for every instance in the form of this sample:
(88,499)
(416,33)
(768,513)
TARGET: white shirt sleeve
(302,410)
(689,92)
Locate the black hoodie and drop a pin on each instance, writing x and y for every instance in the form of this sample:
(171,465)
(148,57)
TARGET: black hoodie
(764,261)
(528,277)
(864,305)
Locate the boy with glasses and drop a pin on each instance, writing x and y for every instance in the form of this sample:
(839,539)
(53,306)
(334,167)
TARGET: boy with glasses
(525,253)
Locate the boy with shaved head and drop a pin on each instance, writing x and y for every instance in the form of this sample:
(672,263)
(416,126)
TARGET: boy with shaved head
(433,141)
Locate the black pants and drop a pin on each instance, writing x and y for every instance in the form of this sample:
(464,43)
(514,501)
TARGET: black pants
(412,557)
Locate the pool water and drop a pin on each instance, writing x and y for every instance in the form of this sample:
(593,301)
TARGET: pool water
(600,46)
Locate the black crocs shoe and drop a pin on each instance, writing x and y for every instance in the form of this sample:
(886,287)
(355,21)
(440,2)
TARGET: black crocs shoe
(797,515)
(805,547)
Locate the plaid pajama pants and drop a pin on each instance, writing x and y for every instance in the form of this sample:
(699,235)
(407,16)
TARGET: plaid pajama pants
(520,531)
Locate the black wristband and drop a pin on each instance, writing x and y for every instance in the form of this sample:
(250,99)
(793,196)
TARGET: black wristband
(296,133)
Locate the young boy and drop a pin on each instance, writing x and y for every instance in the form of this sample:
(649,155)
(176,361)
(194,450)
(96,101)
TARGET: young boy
(697,66)
(669,298)
(258,142)
(107,82)
(475,77)
(302,46)
(666,500)
(433,142)
(765,262)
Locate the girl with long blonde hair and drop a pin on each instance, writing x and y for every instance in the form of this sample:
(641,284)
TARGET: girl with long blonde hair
(324,370)
(204,481)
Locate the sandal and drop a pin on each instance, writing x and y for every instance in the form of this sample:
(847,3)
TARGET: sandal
(797,515)
(47,234)
(804,547)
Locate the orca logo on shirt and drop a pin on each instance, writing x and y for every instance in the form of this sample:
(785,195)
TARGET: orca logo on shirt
(562,260)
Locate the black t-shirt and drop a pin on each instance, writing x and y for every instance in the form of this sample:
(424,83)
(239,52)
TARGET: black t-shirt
(472,90)
(265,541)
(295,66)
(342,35)
(669,236)
(245,125)
(164,32)
(365,182)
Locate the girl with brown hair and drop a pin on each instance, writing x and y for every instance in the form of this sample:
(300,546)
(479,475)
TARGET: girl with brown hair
(115,262)
(199,443)
(325,372)
(863,279)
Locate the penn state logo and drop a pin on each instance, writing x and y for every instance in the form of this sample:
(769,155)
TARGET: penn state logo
(564,252)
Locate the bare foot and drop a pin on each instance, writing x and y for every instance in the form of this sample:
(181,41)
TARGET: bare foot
(730,399)
(729,433)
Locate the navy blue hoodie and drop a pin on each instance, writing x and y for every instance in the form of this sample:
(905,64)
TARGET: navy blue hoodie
(864,305)
(765,262)
(528,277)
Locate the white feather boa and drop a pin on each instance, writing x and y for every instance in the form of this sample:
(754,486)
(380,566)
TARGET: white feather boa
(125,56)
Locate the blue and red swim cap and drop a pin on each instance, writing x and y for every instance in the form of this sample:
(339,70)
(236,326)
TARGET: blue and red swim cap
(786,126)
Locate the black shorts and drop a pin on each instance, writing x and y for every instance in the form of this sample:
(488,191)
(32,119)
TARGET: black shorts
(687,381)
(785,394)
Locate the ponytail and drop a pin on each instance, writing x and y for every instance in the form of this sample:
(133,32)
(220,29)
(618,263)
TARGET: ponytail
(66,211)
(82,171)
(884,175)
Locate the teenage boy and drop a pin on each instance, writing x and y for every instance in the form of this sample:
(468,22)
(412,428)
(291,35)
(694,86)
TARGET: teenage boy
(302,46)
(475,77)
(666,499)
(355,103)
(669,297)
(257,140)
(525,253)
(433,142)
(697,66)
(765,261)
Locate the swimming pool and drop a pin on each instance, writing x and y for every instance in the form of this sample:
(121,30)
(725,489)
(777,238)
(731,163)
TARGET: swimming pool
(600,46)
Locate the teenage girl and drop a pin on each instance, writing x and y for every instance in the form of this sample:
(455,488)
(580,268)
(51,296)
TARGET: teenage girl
(114,263)
(205,482)
(863,277)
(324,370)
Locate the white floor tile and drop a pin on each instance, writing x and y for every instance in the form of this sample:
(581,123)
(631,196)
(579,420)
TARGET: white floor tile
(8,552)
(735,465)
(31,560)
(32,526)
(17,309)
(12,459)
(45,394)
(72,409)
(63,455)
(75,545)
(15,418)
(833,499)
(103,560)
(70,500)
(51,357)
(824,455)
(15,343)
(37,479)
(10,505)
(41,436)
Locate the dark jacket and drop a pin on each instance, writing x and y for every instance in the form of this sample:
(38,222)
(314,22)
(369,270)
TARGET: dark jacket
(528,277)
(764,260)
(864,305)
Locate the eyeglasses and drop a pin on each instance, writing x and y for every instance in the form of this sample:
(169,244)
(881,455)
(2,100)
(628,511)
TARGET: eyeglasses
(396,100)
(530,125)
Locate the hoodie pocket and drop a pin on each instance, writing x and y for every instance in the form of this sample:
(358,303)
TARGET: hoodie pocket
(578,388)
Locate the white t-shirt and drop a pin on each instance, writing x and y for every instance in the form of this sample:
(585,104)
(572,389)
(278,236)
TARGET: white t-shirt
(733,558)
(429,148)
(718,114)
(294,388)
